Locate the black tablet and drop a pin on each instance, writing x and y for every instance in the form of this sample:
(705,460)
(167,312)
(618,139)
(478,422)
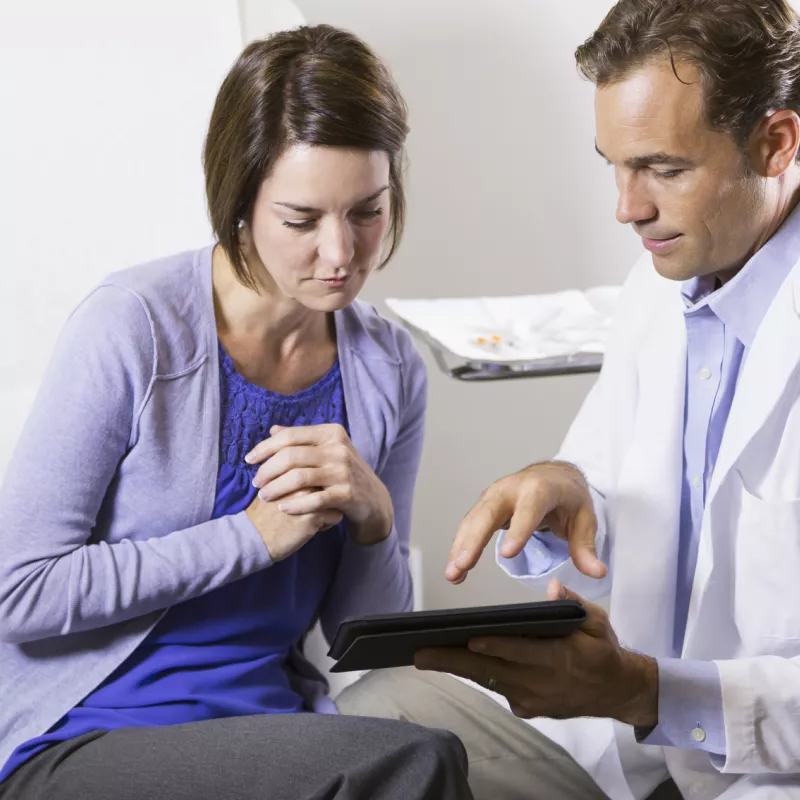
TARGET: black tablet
(377,642)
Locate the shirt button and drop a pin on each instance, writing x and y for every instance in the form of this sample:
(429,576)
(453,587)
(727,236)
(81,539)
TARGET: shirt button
(698,735)
(705,374)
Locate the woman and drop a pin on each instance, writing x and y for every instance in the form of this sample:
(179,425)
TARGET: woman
(224,449)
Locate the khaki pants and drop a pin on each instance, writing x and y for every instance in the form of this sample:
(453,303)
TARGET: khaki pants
(508,759)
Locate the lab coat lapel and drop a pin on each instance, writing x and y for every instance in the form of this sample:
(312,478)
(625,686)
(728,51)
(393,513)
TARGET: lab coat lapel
(774,356)
(648,503)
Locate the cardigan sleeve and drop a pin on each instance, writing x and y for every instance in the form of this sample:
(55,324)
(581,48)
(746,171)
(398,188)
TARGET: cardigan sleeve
(55,579)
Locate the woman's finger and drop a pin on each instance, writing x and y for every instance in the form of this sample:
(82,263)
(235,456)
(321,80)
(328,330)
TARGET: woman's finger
(322,500)
(293,481)
(309,435)
(288,459)
(329,519)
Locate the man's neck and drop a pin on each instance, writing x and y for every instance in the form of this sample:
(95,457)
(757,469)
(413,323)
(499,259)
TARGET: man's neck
(785,206)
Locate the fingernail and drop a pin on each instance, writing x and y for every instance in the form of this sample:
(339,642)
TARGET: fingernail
(477,646)
(264,495)
(462,559)
(451,571)
(250,458)
(563,592)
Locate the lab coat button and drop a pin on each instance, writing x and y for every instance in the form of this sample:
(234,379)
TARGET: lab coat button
(705,373)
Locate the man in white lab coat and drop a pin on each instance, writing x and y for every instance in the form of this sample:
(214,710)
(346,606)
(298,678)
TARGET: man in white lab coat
(678,487)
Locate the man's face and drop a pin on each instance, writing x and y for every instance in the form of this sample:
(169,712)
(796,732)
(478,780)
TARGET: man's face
(685,188)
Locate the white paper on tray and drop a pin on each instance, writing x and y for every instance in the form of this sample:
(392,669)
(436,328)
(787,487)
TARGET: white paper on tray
(515,329)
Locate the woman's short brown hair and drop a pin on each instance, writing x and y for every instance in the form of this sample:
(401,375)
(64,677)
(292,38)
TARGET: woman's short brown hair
(747,51)
(312,85)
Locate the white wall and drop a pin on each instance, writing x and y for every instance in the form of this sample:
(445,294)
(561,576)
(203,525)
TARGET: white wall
(506,195)
(104,110)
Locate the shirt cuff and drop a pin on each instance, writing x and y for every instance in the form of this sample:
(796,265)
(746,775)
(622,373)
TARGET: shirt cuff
(543,552)
(690,711)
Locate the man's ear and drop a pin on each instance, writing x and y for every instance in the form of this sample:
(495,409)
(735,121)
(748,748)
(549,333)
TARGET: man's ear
(775,143)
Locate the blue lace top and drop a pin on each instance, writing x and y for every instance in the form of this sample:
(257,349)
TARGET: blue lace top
(224,653)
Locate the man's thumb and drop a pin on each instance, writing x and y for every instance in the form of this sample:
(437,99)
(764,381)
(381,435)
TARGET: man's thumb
(595,624)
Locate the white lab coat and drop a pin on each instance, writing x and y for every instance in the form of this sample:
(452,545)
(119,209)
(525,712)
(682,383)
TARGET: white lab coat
(745,606)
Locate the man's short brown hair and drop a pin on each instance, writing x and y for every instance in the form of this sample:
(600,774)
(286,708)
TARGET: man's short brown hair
(747,52)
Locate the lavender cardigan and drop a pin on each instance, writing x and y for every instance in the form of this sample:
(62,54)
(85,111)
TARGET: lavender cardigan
(104,512)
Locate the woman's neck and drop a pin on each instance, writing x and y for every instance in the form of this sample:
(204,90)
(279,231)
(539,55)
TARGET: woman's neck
(274,341)
(265,317)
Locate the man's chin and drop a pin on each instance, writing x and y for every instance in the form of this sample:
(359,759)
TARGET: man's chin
(674,269)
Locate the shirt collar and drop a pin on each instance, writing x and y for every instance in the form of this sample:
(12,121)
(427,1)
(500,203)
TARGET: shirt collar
(742,303)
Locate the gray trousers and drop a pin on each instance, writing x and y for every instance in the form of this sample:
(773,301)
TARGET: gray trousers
(270,757)
(508,759)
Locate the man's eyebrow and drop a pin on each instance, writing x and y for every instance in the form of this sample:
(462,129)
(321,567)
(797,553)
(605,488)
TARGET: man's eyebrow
(312,210)
(601,153)
(651,159)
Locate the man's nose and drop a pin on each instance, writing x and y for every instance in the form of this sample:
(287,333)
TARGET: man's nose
(634,204)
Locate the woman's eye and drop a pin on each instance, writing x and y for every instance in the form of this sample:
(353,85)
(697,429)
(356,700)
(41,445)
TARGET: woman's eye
(300,226)
(307,224)
(365,215)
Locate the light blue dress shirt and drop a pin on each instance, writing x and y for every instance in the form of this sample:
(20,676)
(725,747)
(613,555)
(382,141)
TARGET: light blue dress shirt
(721,325)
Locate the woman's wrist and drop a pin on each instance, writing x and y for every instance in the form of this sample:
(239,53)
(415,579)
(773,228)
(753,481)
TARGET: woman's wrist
(377,527)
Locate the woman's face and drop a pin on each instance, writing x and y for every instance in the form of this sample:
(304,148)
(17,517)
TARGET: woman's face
(318,224)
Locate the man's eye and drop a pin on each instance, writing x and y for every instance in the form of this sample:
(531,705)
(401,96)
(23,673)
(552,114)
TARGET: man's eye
(670,173)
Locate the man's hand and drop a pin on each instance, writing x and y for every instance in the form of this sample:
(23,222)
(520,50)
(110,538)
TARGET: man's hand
(552,495)
(587,674)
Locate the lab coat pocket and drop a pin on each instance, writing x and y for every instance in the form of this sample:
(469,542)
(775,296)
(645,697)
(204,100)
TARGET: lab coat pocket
(768,568)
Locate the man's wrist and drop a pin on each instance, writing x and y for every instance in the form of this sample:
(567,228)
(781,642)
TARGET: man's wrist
(639,684)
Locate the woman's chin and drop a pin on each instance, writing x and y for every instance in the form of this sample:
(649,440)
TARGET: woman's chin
(326,298)
(332,301)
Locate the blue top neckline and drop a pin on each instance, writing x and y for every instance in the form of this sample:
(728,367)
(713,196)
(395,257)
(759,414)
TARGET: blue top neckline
(238,382)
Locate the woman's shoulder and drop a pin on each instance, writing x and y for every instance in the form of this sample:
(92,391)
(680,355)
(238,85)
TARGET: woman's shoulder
(167,282)
(173,292)
(374,336)
(379,341)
